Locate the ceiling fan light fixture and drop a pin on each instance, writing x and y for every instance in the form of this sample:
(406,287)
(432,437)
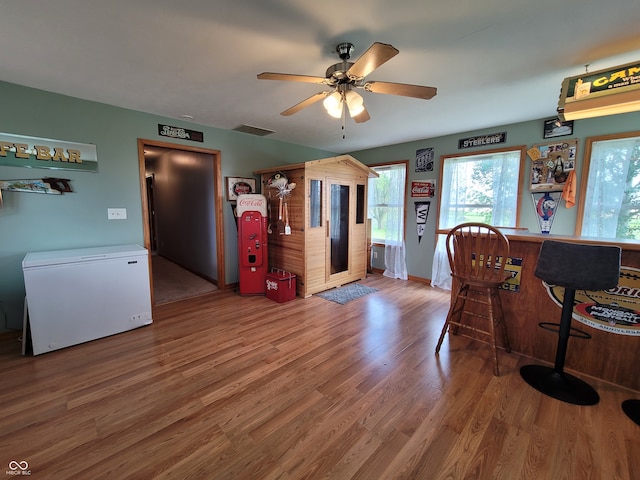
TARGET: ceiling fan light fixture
(355,103)
(333,104)
(345,76)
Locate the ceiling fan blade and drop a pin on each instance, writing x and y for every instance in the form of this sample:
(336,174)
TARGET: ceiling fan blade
(376,55)
(305,103)
(287,77)
(362,117)
(404,89)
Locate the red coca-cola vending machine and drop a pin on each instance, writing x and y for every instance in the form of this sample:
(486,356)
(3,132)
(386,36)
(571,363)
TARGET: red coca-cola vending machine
(251,211)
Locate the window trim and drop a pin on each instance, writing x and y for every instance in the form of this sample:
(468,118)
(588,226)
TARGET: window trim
(521,148)
(586,165)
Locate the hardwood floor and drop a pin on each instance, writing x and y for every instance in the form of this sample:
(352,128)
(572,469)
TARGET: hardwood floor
(229,387)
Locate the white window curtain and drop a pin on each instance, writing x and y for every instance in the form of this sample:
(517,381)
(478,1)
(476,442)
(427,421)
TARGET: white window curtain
(475,188)
(612,190)
(394,250)
(395,262)
(480,188)
(440,270)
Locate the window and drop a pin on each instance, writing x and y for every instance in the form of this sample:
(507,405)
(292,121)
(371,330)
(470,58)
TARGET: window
(610,203)
(386,203)
(481,187)
(315,203)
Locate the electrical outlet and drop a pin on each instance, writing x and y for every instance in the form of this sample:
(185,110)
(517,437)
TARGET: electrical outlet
(117,213)
(375,254)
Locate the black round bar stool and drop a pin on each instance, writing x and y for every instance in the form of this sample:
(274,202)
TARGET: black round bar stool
(632,409)
(573,266)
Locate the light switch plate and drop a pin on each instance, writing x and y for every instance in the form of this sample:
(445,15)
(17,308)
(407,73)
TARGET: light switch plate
(117,213)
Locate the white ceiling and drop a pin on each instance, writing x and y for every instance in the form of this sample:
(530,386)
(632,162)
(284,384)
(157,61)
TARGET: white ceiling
(494,62)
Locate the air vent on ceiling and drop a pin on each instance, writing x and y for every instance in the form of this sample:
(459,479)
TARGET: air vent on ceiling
(261,132)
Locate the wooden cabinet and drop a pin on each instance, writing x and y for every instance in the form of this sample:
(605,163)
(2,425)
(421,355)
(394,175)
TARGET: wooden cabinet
(326,215)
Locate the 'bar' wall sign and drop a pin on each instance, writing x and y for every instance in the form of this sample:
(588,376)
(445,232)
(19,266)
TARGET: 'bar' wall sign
(34,152)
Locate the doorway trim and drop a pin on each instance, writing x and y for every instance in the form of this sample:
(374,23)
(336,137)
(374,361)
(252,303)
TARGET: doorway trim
(218,202)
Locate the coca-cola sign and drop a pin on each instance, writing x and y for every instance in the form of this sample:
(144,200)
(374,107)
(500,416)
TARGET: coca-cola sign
(250,201)
(239,186)
(423,189)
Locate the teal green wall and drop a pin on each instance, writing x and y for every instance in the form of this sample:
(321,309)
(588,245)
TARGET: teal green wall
(34,222)
(419,255)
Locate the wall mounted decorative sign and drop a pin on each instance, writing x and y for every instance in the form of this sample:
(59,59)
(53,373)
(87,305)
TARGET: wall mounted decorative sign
(179,132)
(424,160)
(424,188)
(557,128)
(482,140)
(35,152)
(238,185)
(514,267)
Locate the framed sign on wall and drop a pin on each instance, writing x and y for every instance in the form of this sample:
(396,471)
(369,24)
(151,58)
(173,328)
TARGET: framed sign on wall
(557,128)
(238,186)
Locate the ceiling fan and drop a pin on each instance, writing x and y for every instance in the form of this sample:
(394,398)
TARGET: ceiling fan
(345,76)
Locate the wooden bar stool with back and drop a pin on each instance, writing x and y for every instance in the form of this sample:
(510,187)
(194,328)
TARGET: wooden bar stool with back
(477,255)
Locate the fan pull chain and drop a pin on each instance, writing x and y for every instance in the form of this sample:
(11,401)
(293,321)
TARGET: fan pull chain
(344,116)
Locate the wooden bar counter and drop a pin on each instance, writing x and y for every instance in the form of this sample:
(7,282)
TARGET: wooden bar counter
(609,355)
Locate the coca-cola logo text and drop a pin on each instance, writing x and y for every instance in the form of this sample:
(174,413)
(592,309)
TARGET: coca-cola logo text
(250,202)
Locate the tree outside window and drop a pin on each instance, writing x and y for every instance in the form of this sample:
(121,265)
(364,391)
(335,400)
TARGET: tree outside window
(386,203)
(480,188)
(477,187)
(610,206)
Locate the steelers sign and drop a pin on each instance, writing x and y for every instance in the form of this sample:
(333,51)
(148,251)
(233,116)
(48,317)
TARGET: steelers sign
(616,310)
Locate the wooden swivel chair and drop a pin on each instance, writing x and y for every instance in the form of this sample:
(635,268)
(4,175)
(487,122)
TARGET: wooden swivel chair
(477,254)
(573,266)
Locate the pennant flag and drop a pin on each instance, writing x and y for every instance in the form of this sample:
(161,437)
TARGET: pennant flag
(545,205)
(422,212)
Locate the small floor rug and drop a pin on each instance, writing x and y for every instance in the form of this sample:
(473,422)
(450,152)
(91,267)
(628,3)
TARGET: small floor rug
(347,293)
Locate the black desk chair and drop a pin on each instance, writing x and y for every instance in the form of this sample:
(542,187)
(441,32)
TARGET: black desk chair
(575,267)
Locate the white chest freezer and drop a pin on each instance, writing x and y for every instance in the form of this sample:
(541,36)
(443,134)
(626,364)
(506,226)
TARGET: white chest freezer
(74,296)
